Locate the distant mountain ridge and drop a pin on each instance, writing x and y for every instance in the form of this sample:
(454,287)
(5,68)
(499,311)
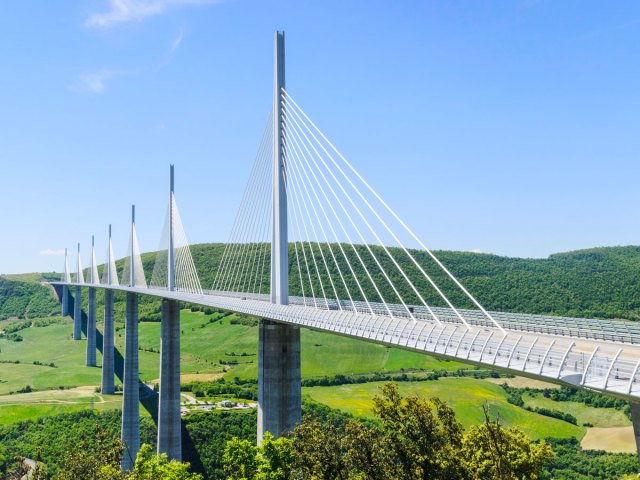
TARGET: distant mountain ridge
(598,282)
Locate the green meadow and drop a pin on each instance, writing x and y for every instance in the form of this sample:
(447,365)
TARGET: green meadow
(33,405)
(598,417)
(465,395)
(203,346)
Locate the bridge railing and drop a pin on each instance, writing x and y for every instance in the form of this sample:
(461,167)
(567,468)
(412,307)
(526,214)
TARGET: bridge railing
(593,329)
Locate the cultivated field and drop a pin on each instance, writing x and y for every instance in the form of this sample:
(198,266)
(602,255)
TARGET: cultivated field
(465,395)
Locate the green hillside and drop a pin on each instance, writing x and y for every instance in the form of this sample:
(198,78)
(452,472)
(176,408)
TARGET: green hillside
(210,344)
(598,282)
(24,296)
(464,395)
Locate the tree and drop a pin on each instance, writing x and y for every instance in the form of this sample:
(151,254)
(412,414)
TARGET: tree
(150,466)
(319,452)
(368,452)
(277,458)
(5,460)
(491,452)
(273,460)
(240,459)
(423,435)
(103,463)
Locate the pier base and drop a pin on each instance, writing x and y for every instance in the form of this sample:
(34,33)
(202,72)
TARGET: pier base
(279,389)
(635,419)
(91,328)
(65,300)
(77,314)
(169,422)
(107,386)
(130,435)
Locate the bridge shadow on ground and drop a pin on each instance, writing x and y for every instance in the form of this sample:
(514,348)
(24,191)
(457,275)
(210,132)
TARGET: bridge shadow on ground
(148,397)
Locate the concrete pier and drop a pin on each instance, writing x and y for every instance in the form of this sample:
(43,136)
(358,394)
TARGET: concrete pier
(91,329)
(169,422)
(107,386)
(635,419)
(65,300)
(279,394)
(130,434)
(77,314)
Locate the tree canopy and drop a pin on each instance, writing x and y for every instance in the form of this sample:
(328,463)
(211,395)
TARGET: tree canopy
(414,439)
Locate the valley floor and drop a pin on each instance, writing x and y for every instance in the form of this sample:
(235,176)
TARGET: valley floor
(225,346)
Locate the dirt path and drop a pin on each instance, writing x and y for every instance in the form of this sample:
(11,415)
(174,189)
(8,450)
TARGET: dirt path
(522,382)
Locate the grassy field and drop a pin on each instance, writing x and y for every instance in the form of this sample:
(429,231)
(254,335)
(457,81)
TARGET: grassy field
(616,439)
(465,395)
(598,417)
(522,382)
(203,346)
(31,406)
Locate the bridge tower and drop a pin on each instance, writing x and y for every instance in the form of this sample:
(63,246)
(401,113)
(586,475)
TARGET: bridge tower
(130,434)
(77,301)
(169,422)
(635,420)
(107,385)
(66,277)
(279,393)
(91,313)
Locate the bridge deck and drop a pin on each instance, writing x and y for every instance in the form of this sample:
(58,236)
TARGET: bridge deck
(586,328)
(578,352)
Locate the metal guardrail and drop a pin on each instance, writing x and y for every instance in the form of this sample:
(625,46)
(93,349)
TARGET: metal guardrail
(584,328)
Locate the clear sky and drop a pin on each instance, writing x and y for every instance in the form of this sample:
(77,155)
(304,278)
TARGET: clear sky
(510,127)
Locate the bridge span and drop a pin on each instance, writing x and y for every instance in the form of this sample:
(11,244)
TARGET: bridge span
(584,359)
(310,224)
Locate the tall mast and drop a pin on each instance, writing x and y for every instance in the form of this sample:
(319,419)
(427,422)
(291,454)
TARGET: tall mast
(171,280)
(280,243)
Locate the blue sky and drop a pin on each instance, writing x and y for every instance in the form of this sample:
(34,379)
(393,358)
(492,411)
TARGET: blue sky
(503,127)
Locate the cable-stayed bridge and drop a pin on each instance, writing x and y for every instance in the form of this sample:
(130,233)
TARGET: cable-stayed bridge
(314,245)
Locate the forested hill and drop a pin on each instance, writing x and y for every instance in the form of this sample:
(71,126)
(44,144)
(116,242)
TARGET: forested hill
(597,283)
(23,296)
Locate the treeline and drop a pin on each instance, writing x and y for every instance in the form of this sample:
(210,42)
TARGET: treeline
(412,439)
(48,438)
(244,389)
(566,394)
(591,399)
(573,463)
(204,435)
(406,434)
(247,389)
